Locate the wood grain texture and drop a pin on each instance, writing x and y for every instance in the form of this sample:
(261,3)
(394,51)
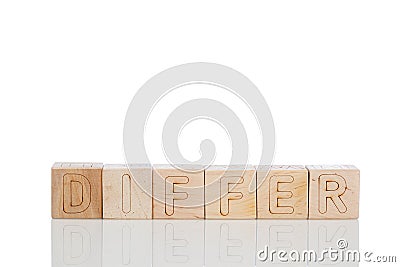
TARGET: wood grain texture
(127,192)
(282,192)
(227,192)
(178,194)
(334,192)
(76,190)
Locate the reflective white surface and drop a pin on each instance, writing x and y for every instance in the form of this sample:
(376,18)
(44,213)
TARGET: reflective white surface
(192,243)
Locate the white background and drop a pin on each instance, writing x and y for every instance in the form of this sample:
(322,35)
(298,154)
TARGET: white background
(329,70)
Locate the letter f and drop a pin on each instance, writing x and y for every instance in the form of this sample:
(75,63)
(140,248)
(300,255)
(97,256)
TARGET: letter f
(171,194)
(227,194)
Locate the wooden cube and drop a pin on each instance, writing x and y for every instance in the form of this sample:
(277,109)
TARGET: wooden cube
(282,192)
(76,190)
(334,192)
(127,192)
(178,193)
(228,193)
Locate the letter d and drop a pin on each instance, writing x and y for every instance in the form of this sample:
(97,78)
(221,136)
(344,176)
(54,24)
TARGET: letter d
(77,193)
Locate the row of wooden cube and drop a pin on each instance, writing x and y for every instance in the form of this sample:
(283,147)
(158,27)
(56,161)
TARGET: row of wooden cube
(94,190)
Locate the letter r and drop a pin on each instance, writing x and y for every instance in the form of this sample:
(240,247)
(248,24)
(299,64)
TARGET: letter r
(331,187)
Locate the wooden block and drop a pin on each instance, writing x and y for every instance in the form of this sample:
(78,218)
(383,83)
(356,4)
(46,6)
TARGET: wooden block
(76,190)
(126,194)
(282,192)
(178,194)
(227,192)
(334,192)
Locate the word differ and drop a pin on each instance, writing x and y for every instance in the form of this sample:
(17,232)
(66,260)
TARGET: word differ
(94,190)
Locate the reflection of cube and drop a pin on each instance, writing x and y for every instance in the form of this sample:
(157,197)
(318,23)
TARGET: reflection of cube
(76,190)
(282,192)
(76,242)
(127,192)
(127,243)
(178,243)
(230,243)
(340,235)
(228,192)
(178,193)
(334,192)
(285,235)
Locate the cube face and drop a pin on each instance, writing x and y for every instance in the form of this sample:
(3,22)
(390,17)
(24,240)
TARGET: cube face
(334,192)
(282,192)
(77,190)
(127,192)
(227,193)
(177,193)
